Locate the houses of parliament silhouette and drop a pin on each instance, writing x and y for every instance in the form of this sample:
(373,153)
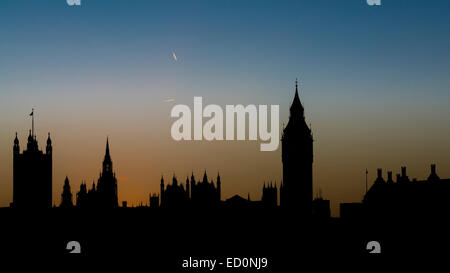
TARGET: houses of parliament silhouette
(32,183)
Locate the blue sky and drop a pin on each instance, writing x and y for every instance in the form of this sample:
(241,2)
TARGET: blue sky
(369,76)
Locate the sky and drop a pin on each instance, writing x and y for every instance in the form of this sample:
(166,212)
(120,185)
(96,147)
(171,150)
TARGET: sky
(373,80)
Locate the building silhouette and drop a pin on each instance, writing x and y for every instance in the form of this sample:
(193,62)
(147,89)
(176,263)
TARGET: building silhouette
(296,190)
(268,200)
(269,197)
(321,208)
(154,200)
(66,196)
(32,173)
(174,195)
(387,198)
(105,195)
(32,184)
(82,197)
(238,202)
(195,194)
(205,193)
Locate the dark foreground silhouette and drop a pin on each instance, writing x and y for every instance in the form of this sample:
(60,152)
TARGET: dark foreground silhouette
(162,238)
(191,221)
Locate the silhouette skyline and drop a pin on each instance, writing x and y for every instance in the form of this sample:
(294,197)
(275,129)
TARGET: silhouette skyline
(370,102)
(295,193)
(362,164)
(32,184)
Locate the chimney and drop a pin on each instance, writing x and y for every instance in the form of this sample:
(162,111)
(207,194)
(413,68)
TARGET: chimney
(398,177)
(403,171)
(390,177)
(433,168)
(379,173)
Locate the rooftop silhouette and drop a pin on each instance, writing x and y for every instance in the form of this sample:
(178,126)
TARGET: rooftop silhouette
(32,183)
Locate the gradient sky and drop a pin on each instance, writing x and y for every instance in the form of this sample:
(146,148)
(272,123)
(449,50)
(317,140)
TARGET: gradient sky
(374,82)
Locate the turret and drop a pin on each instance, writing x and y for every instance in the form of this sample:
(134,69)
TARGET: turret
(16,147)
(162,190)
(192,179)
(187,188)
(49,148)
(219,185)
(205,178)
(66,196)
(32,143)
(174,180)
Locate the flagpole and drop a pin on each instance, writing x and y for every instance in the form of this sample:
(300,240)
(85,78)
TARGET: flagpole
(32,121)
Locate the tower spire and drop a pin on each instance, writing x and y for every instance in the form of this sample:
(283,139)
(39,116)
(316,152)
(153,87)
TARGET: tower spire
(296,106)
(107,162)
(296,189)
(32,123)
(107,147)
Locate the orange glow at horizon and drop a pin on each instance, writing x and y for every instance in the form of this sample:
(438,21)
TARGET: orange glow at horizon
(141,154)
